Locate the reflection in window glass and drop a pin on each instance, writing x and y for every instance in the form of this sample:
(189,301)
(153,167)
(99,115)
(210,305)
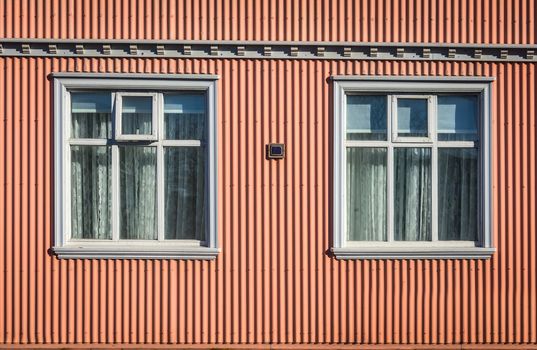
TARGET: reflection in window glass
(457,118)
(366,117)
(184,116)
(136,115)
(412,117)
(91,115)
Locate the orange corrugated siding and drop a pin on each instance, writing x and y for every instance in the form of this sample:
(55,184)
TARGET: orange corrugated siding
(273,281)
(452,21)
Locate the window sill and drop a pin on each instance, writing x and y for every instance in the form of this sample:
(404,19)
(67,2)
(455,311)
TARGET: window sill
(136,252)
(413,253)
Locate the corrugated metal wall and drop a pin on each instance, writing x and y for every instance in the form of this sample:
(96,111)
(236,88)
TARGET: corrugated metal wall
(458,21)
(273,281)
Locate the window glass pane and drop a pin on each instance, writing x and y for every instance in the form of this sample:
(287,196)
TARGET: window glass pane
(91,115)
(366,117)
(457,194)
(184,193)
(138,192)
(412,187)
(184,116)
(91,196)
(136,115)
(366,194)
(412,117)
(457,118)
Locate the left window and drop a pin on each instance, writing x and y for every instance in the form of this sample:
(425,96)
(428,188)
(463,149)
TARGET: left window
(135,166)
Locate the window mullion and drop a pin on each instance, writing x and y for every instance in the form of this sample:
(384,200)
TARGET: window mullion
(389,169)
(390,195)
(434,192)
(160,168)
(434,168)
(115,193)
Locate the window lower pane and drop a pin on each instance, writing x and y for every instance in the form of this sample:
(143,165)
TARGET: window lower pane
(366,194)
(457,194)
(412,191)
(91,196)
(184,193)
(138,192)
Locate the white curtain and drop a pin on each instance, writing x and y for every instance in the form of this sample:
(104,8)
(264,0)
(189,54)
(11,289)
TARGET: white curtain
(90,192)
(366,194)
(412,190)
(138,192)
(457,194)
(184,172)
(90,178)
(136,123)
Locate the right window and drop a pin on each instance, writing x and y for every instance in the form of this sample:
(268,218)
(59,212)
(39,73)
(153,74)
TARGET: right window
(413,179)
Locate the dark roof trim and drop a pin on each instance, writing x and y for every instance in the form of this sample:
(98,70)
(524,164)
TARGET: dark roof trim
(267,50)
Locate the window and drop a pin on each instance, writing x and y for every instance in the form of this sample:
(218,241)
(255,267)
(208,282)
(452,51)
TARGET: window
(135,163)
(412,168)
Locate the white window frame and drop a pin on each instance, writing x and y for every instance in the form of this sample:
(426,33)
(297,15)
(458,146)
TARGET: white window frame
(418,87)
(155,107)
(430,113)
(64,245)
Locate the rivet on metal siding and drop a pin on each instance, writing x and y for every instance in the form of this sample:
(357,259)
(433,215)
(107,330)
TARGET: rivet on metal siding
(107,49)
(294,51)
(320,51)
(79,49)
(160,50)
(26,49)
(426,53)
(400,52)
(52,49)
(187,50)
(240,50)
(503,54)
(530,54)
(213,50)
(347,52)
(373,52)
(133,49)
(452,53)
(267,50)
(478,53)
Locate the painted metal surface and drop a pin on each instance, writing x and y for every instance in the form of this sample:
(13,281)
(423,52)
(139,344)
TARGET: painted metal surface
(273,283)
(451,21)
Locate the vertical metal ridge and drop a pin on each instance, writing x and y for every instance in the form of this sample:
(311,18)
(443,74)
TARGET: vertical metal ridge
(453,21)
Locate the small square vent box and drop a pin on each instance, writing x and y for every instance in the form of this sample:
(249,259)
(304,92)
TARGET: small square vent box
(275,151)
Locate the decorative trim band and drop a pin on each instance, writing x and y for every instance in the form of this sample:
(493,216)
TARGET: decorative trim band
(266,50)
